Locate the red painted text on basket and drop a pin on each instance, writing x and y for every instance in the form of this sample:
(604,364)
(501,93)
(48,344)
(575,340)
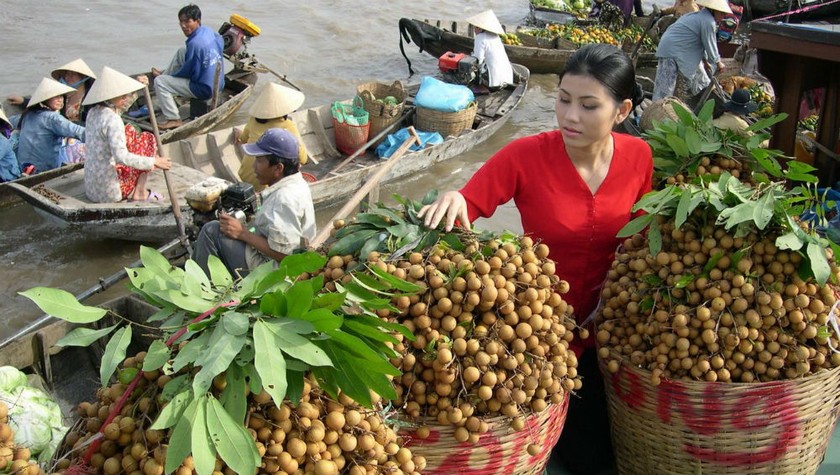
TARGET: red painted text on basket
(717,412)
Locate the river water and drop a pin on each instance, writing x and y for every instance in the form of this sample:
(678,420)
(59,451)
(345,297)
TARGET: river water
(325,47)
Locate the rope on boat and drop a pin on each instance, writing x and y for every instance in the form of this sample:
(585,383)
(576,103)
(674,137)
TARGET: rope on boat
(800,10)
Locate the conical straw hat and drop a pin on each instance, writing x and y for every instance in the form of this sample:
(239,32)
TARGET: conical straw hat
(78,66)
(47,89)
(3,117)
(110,84)
(487,20)
(718,5)
(276,101)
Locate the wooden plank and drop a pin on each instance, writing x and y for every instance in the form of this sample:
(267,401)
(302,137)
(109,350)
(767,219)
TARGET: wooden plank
(320,132)
(188,154)
(219,163)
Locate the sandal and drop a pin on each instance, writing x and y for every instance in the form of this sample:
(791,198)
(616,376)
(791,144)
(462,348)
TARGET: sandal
(154,196)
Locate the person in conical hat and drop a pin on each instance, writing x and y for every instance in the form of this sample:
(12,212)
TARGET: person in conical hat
(78,75)
(43,129)
(496,70)
(270,110)
(114,170)
(686,48)
(9,167)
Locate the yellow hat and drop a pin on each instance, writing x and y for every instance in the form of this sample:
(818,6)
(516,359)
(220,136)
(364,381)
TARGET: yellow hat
(717,5)
(487,20)
(276,101)
(77,66)
(110,84)
(47,89)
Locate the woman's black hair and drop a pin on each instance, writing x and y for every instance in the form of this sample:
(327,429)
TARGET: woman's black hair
(33,109)
(290,165)
(609,66)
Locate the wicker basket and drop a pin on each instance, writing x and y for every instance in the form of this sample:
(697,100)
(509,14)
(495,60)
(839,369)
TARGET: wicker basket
(445,123)
(688,427)
(660,110)
(499,451)
(381,115)
(350,138)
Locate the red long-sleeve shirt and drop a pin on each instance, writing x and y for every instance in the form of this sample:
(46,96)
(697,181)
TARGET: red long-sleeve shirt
(558,207)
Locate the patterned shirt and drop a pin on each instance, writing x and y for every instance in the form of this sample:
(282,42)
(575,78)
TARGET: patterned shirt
(105,148)
(286,215)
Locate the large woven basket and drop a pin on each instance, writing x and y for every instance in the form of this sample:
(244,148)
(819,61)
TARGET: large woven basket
(381,115)
(445,123)
(499,451)
(660,110)
(688,427)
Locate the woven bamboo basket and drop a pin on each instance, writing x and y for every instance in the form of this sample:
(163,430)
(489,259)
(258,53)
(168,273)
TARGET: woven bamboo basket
(381,115)
(660,110)
(692,427)
(445,123)
(499,451)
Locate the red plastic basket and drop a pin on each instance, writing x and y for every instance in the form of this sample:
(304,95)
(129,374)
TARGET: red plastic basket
(350,138)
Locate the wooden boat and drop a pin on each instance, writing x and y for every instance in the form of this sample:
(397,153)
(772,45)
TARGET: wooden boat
(62,199)
(238,87)
(815,10)
(215,153)
(439,36)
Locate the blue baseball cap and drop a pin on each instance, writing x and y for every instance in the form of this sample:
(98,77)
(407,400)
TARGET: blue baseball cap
(279,142)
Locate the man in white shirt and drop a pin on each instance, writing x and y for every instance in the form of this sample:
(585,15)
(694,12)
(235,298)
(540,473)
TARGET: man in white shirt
(490,51)
(285,219)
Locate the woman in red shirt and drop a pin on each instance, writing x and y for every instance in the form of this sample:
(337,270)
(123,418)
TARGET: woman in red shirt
(574,188)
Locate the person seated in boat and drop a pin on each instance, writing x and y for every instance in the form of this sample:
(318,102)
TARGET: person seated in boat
(43,129)
(734,113)
(612,14)
(9,166)
(496,70)
(76,74)
(270,110)
(112,172)
(575,187)
(192,71)
(284,222)
(685,49)
(680,8)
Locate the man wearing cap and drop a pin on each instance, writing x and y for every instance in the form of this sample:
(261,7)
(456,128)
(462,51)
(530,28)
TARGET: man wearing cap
(285,219)
(489,50)
(270,110)
(734,111)
(192,71)
(684,47)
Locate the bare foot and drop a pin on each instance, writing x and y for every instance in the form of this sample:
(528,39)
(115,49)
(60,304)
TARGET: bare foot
(156,72)
(170,124)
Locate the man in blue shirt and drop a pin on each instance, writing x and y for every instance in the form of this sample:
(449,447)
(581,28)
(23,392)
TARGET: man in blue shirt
(193,68)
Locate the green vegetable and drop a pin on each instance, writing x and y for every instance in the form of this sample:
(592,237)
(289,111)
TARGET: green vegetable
(11,378)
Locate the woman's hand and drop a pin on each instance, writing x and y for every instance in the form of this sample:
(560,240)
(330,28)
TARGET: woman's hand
(230,226)
(15,100)
(237,135)
(452,205)
(164,163)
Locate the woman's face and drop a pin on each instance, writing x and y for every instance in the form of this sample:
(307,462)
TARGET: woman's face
(121,103)
(56,103)
(586,111)
(72,77)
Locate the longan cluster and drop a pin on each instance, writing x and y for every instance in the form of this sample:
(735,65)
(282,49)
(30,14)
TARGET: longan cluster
(715,307)
(14,459)
(317,436)
(715,166)
(492,334)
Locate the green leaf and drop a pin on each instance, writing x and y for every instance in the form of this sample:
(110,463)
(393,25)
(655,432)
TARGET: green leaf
(329,301)
(248,286)
(295,381)
(395,282)
(652,280)
(172,412)
(682,209)
(375,243)
(678,145)
(635,226)
(654,238)
(712,263)
(219,274)
(320,319)
(430,197)
(223,349)
(693,142)
(770,165)
(646,304)
(453,241)
(195,280)
(231,440)
(233,396)
(269,361)
(253,378)
(180,440)
(299,299)
(767,122)
(294,265)
(190,352)
(235,323)
(368,331)
(161,314)
(84,336)
(351,244)
(685,116)
(154,260)
(174,386)
(297,346)
(157,355)
(705,114)
(274,304)
(114,354)
(204,454)
(763,213)
(62,304)
(683,281)
(819,262)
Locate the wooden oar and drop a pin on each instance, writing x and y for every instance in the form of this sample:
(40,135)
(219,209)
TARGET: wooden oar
(365,189)
(104,283)
(176,208)
(372,141)
(279,76)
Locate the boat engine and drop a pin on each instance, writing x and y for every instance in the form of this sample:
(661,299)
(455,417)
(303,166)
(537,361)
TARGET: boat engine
(236,34)
(458,68)
(213,195)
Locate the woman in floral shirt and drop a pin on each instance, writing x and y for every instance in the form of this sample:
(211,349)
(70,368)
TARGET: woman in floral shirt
(112,172)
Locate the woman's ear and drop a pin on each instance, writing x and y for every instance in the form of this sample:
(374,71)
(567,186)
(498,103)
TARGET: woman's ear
(624,109)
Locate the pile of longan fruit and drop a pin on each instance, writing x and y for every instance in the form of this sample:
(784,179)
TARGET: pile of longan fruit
(492,333)
(712,306)
(13,458)
(317,436)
